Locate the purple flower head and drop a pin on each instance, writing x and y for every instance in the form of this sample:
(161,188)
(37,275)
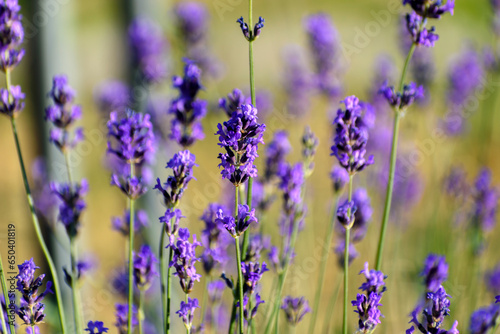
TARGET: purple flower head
(121,314)
(122,224)
(184,260)
(72,204)
(455,183)
(171,220)
(403,100)
(215,290)
(346,214)
(233,101)
(61,93)
(435,272)
(182,164)
(292,179)
(31,308)
(432,9)
(133,187)
(192,21)
(237,226)
(275,153)
(96,327)
(497,299)
(11,102)
(11,34)
(145,267)
(418,33)
(367,304)
(295,309)
(214,238)
(256,244)
(131,137)
(325,49)
(340,251)
(362,215)
(309,146)
(240,137)
(188,111)
(148,49)
(250,314)
(492,278)
(113,96)
(298,81)
(249,34)
(435,309)
(186,312)
(82,268)
(351,138)
(340,178)
(484,319)
(33,330)
(485,206)
(252,274)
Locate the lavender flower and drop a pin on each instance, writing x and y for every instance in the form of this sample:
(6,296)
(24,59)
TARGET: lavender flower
(171,221)
(340,178)
(325,50)
(433,9)
(484,319)
(346,214)
(214,238)
(122,224)
(121,315)
(240,136)
(340,252)
(435,272)
(292,179)
(367,304)
(63,114)
(252,274)
(309,146)
(238,226)
(186,312)
(249,34)
(184,260)
(233,101)
(256,244)
(43,196)
(31,308)
(351,138)
(295,309)
(145,267)
(113,96)
(148,49)
(420,35)
(492,279)
(401,101)
(250,314)
(436,308)
(192,20)
(131,137)
(96,327)
(188,111)
(72,204)
(11,35)
(275,153)
(182,164)
(133,187)
(298,82)
(11,101)
(361,213)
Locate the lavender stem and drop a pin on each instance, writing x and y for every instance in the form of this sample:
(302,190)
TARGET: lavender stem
(140,311)
(346,261)
(392,168)
(74,288)
(6,298)
(131,260)
(238,260)
(162,279)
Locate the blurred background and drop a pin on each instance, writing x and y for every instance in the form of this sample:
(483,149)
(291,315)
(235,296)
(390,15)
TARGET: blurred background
(88,41)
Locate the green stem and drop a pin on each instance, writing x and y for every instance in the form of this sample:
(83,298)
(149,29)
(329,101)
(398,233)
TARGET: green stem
(331,308)
(346,262)
(392,167)
(162,279)
(169,287)
(38,230)
(131,260)
(188,328)
(233,318)
(66,159)
(324,260)
(6,298)
(240,283)
(141,310)
(74,285)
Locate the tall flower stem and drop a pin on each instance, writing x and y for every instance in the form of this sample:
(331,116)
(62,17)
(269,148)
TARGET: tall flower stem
(392,167)
(141,310)
(238,260)
(346,261)
(130,259)
(166,322)
(66,160)
(6,298)
(324,260)
(331,307)
(252,96)
(74,285)
(36,224)
(188,329)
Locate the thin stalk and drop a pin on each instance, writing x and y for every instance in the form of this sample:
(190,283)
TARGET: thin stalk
(66,160)
(240,284)
(131,260)
(346,262)
(7,300)
(233,318)
(162,281)
(169,287)
(36,225)
(74,285)
(331,308)
(188,328)
(141,310)
(324,260)
(392,167)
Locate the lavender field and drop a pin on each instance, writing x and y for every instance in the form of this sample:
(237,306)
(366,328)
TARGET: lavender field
(241,166)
